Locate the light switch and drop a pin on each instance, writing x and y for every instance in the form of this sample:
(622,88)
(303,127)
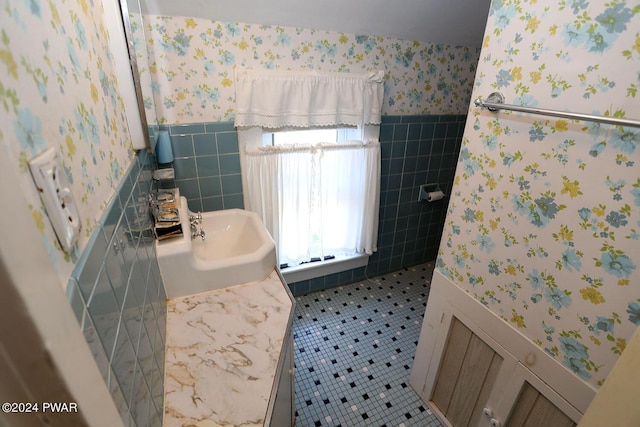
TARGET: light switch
(53,187)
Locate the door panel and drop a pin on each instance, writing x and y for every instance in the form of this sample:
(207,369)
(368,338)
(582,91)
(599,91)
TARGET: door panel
(483,397)
(469,369)
(532,409)
(528,401)
(455,349)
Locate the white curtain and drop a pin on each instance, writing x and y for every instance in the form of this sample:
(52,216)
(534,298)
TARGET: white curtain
(350,197)
(277,99)
(331,190)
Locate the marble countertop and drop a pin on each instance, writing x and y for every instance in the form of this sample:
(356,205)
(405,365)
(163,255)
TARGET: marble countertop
(222,354)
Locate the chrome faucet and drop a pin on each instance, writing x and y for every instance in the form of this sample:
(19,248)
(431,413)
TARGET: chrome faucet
(194,227)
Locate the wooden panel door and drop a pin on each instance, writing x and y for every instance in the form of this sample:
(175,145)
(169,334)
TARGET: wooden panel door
(527,401)
(532,409)
(468,370)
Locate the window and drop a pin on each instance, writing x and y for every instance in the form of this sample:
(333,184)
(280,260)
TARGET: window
(316,199)
(314,175)
(312,136)
(312,246)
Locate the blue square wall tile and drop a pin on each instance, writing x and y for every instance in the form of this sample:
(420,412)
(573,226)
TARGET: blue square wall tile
(212,204)
(415,130)
(231,184)
(400,132)
(227,142)
(440,131)
(412,148)
(182,145)
(396,165)
(210,186)
(204,144)
(185,168)
(189,188)
(207,166)
(215,127)
(105,313)
(229,164)
(316,284)
(391,119)
(187,129)
(398,148)
(75,299)
(92,263)
(412,119)
(233,201)
(386,133)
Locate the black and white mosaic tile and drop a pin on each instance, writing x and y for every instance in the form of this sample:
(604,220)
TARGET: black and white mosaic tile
(354,347)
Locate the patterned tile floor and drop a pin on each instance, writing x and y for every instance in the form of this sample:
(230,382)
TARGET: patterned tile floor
(353,350)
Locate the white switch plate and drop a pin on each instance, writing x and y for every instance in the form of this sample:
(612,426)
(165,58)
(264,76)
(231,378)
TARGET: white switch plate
(53,186)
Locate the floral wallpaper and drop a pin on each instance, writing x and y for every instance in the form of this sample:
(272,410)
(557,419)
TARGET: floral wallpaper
(58,89)
(543,225)
(192,62)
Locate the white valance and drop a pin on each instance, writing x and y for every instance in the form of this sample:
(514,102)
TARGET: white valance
(278,99)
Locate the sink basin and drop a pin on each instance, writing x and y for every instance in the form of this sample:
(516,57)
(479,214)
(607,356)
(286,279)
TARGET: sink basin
(237,249)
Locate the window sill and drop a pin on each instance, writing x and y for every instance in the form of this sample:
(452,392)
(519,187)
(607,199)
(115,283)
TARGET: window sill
(324,268)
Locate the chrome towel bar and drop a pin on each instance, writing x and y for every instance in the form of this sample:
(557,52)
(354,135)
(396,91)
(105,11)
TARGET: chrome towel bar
(495,102)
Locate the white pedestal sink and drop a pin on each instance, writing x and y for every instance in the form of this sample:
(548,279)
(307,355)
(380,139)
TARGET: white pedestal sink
(237,249)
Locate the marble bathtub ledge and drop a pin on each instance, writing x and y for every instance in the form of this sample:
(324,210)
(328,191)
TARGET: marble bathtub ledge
(225,353)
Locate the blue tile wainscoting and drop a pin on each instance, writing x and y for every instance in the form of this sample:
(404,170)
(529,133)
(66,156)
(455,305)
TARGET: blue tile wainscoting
(207,165)
(119,300)
(415,150)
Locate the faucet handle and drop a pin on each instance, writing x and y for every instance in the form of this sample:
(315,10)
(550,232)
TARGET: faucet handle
(195,233)
(197,218)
